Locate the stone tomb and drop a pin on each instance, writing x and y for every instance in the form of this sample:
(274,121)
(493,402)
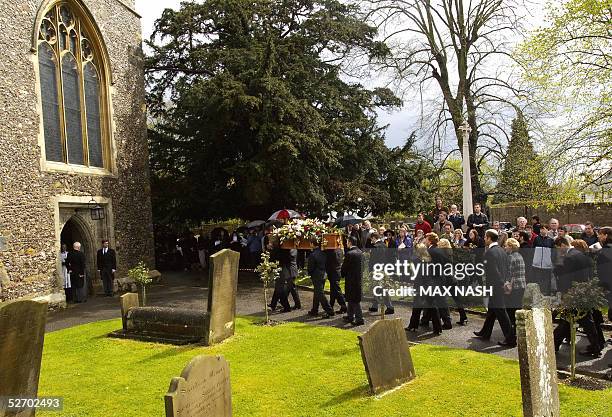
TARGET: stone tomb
(538,365)
(386,355)
(22,333)
(202,390)
(184,326)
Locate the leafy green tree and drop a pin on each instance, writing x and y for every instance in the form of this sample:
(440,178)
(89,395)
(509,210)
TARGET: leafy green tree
(250,112)
(523,177)
(570,59)
(576,304)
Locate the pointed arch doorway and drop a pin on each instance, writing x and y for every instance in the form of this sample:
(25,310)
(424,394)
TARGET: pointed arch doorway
(77,230)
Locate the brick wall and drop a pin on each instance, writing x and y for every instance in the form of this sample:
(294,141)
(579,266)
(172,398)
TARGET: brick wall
(598,213)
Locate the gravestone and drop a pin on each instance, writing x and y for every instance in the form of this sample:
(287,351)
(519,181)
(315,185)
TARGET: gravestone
(22,333)
(222,288)
(129,300)
(202,390)
(386,355)
(538,365)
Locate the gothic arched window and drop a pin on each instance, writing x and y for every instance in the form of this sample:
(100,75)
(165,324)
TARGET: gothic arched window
(73,89)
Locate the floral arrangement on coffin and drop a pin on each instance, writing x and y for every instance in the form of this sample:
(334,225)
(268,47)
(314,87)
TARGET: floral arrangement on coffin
(305,230)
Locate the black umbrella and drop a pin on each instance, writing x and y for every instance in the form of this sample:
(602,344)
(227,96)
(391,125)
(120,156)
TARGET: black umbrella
(347,219)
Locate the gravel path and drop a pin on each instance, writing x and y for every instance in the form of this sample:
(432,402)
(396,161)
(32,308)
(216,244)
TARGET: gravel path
(188,290)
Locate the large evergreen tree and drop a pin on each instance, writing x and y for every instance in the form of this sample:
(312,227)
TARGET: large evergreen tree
(250,112)
(523,177)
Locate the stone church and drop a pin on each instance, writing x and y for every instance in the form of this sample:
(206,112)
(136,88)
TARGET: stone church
(73,145)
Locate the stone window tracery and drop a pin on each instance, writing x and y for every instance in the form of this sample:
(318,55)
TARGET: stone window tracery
(73,89)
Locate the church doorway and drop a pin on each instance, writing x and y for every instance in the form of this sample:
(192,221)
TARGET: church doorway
(77,230)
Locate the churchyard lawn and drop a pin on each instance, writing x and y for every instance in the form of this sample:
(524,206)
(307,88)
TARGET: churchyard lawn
(291,369)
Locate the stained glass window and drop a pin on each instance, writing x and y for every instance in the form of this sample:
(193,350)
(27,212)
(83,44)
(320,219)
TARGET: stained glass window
(72,87)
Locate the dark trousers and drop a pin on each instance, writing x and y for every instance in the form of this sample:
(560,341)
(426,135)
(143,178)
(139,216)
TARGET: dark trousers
(504,322)
(542,277)
(107,281)
(69,296)
(353,310)
(319,296)
(281,294)
(598,321)
(562,331)
(80,294)
(428,314)
(335,291)
(294,293)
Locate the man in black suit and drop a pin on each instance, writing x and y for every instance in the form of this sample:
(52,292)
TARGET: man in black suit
(107,265)
(352,271)
(316,269)
(497,272)
(333,264)
(575,266)
(75,263)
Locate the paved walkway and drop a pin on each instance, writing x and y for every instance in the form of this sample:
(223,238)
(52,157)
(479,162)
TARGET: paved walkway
(189,290)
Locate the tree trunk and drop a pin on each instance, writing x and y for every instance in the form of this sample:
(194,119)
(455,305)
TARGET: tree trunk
(572,347)
(266,302)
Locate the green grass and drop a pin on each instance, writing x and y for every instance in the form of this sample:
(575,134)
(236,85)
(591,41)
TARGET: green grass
(306,281)
(292,369)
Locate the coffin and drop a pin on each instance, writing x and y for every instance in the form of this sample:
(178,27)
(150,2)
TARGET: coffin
(332,241)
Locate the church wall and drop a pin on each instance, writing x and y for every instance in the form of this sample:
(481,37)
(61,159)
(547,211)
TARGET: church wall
(30,196)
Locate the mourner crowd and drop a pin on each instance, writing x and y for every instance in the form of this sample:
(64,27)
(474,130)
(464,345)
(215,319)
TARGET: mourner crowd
(531,251)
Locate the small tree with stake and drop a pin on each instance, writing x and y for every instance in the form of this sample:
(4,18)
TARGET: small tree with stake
(140,275)
(576,304)
(269,271)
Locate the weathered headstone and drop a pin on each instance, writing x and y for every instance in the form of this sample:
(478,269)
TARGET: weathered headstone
(538,365)
(202,390)
(22,333)
(386,355)
(222,288)
(129,300)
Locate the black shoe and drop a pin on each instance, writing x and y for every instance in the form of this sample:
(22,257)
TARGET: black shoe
(347,319)
(296,307)
(286,310)
(373,309)
(462,322)
(328,315)
(507,343)
(313,313)
(481,336)
(437,333)
(390,310)
(411,329)
(447,326)
(358,322)
(342,310)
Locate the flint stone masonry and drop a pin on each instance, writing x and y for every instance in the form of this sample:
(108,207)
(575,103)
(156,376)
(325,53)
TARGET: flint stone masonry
(202,390)
(30,254)
(22,333)
(386,355)
(538,365)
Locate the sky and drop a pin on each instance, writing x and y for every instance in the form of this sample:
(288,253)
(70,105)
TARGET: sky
(400,122)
